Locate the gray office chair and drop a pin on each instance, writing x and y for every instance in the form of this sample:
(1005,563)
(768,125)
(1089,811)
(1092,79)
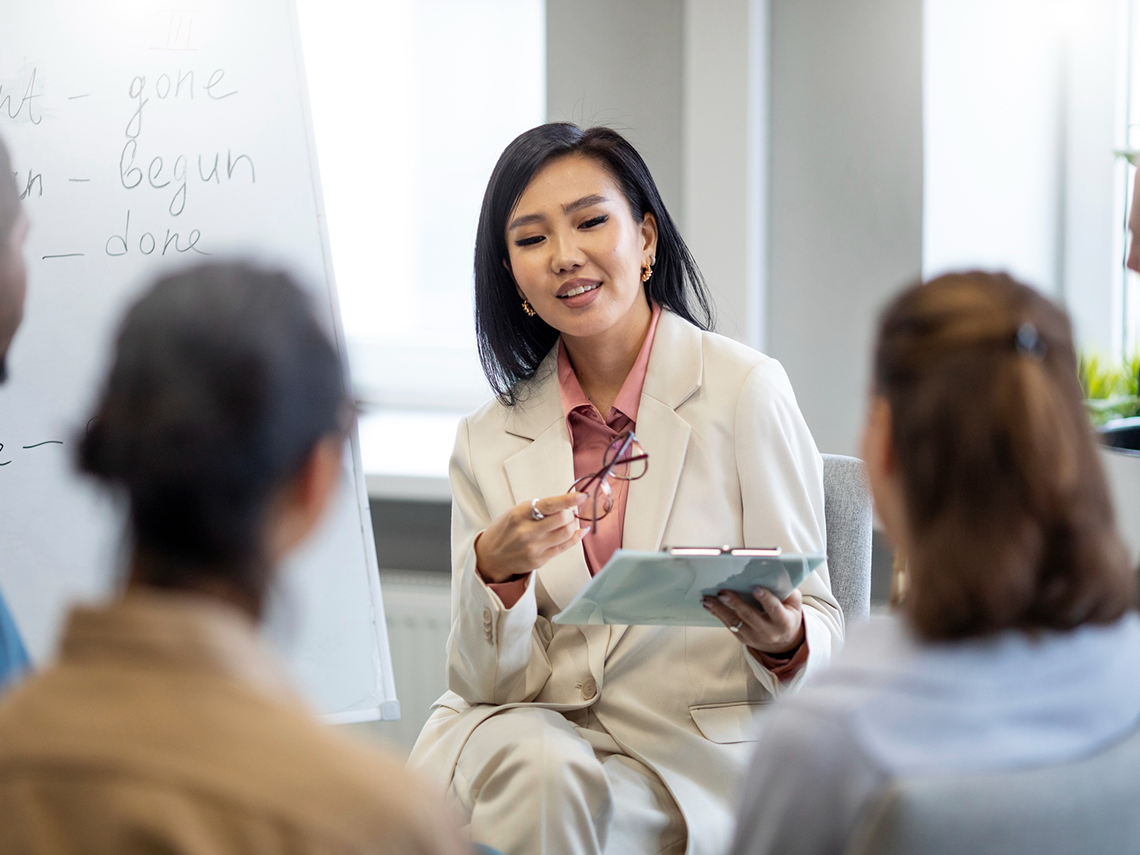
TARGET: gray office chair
(1088,805)
(847,507)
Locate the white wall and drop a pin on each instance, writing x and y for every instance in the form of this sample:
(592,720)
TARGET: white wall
(846,194)
(1093,178)
(802,225)
(1020,124)
(620,64)
(993,139)
(726,157)
(685,81)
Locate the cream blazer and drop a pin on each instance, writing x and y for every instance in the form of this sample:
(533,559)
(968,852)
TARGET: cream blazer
(731,461)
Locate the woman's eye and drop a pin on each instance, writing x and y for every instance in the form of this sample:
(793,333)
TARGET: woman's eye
(594,221)
(530,241)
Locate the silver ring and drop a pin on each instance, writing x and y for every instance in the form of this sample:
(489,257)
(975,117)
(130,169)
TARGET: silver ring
(535,513)
(737,627)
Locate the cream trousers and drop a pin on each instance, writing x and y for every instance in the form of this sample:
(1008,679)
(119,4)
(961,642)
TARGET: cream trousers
(532,782)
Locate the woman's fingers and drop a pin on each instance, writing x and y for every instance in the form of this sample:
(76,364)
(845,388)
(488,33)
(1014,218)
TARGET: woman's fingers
(552,505)
(556,536)
(752,617)
(517,543)
(720,611)
(780,612)
(557,511)
(562,546)
(772,627)
(553,521)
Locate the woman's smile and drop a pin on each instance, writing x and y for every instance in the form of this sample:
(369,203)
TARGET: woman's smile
(578,293)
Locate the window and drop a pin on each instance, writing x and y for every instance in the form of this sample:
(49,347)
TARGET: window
(1024,104)
(1128,283)
(412,103)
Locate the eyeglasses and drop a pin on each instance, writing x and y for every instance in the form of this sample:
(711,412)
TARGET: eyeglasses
(624,460)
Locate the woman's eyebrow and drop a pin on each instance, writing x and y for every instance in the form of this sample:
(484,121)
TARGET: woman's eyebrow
(584,202)
(526,221)
(569,208)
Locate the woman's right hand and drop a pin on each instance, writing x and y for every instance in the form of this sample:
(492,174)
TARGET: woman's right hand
(515,543)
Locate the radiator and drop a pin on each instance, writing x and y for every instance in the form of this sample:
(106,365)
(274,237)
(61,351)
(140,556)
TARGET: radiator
(417,606)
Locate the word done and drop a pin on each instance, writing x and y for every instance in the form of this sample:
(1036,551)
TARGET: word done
(148,244)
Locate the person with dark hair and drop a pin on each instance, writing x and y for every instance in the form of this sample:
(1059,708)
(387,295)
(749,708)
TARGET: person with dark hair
(13,273)
(166,725)
(13,286)
(1016,644)
(620,420)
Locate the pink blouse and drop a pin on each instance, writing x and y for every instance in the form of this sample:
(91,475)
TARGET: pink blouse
(590,436)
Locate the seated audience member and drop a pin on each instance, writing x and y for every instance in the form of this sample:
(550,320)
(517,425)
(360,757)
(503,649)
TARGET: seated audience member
(13,283)
(166,725)
(1015,644)
(13,657)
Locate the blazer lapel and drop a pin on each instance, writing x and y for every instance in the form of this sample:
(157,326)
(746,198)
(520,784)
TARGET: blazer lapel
(665,436)
(674,374)
(546,468)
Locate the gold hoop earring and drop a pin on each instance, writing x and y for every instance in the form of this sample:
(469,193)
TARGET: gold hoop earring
(646,272)
(528,309)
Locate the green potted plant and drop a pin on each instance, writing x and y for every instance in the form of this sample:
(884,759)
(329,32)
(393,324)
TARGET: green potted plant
(1112,394)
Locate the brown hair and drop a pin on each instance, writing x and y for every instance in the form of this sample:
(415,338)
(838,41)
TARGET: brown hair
(1006,500)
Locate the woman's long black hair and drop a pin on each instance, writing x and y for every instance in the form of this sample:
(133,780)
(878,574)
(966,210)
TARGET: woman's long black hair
(511,344)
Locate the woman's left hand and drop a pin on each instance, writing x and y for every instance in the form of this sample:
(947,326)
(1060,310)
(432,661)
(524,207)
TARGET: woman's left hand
(777,627)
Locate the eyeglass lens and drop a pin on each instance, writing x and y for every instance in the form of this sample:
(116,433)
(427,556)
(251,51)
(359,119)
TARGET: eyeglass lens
(625,458)
(599,497)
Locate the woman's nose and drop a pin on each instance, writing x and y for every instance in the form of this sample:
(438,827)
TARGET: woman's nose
(565,255)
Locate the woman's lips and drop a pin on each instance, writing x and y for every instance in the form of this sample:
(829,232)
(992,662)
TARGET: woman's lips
(580,289)
(580,294)
(577,286)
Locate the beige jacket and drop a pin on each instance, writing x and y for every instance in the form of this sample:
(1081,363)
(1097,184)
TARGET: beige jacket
(166,727)
(731,462)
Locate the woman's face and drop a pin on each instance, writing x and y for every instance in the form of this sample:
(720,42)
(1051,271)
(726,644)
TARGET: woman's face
(576,251)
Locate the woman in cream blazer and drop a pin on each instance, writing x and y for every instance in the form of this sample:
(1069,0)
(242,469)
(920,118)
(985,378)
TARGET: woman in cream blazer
(731,462)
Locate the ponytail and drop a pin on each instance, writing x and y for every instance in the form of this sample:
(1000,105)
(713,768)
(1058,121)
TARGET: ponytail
(1011,522)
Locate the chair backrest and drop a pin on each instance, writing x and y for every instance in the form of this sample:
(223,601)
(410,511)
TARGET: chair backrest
(1087,805)
(847,506)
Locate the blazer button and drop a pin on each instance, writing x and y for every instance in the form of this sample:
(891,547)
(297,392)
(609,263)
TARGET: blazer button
(589,689)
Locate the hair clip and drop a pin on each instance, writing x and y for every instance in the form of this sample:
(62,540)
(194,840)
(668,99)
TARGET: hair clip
(1029,343)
